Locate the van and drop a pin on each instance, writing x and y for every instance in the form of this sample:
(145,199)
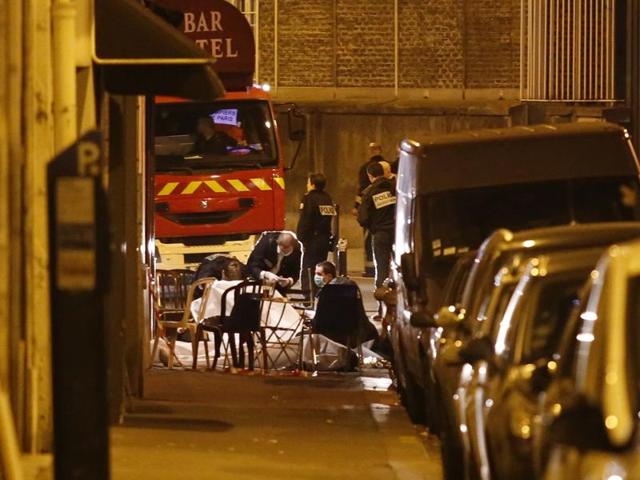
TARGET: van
(455,190)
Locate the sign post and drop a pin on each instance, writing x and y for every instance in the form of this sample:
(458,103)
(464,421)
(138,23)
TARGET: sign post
(77,242)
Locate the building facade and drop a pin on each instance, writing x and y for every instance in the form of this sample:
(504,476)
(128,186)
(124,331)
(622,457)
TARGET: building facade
(360,70)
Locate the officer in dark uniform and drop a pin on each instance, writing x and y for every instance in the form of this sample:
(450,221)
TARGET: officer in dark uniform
(363,183)
(377,214)
(314,226)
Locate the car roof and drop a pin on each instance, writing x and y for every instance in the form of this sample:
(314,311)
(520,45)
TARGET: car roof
(524,154)
(543,268)
(555,262)
(576,235)
(538,241)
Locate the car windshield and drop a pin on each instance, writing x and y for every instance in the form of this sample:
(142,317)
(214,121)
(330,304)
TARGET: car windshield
(214,136)
(457,221)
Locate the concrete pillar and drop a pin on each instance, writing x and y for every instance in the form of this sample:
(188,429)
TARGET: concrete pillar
(14,197)
(633,76)
(39,149)
(4,203)
(64,74)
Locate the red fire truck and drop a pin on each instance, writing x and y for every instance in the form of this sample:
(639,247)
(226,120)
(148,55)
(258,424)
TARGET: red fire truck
(219,168)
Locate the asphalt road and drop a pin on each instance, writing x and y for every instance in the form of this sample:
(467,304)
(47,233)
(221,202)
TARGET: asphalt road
(201,425)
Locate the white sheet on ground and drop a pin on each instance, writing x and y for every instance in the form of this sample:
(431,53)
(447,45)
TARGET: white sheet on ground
(330,355)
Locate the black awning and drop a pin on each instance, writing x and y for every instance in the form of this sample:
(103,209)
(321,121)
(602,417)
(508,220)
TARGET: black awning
(141,54)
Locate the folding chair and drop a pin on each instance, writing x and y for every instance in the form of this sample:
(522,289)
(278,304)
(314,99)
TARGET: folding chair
(278,336)
(170,322)
(243,320)
(169,295)
(338,317)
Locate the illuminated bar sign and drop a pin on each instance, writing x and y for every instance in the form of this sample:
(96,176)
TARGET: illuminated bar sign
(223,32)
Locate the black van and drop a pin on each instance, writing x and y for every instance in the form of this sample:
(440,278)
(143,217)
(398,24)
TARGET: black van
(455,190)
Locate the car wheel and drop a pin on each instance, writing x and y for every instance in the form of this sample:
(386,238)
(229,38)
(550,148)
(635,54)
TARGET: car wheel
(413,398)
(452,462)
(411,395)
(432,415)
(452,454)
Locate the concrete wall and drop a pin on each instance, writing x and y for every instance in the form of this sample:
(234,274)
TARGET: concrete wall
(337,145)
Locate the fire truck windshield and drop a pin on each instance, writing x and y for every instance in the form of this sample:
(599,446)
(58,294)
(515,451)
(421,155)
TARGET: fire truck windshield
(214,136)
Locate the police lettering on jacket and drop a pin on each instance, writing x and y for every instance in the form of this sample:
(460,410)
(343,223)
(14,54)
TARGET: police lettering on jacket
(316,212)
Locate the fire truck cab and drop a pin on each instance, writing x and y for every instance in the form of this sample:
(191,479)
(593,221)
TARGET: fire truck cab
(218,166)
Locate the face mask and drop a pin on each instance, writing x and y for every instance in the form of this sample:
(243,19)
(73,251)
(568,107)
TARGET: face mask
(318,280)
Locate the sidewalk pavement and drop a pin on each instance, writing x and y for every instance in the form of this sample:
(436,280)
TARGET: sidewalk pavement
(203,425)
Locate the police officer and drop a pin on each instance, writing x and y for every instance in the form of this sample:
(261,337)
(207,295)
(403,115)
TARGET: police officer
(377,214)
(363,183)
(314,226)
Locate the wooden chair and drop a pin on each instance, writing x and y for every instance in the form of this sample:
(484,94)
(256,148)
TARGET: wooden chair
(170,321)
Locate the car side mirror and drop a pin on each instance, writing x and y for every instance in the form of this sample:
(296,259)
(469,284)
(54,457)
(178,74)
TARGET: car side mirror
(449,317)
(297,128)
(542,376)
(476,350)
(297,125)
(423,320)
(580,425)
(409,271)
(534,377)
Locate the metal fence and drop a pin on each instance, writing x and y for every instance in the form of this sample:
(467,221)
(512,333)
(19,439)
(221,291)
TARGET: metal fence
(568,50)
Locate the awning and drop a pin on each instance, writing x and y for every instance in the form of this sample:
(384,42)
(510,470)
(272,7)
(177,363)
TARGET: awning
(141,54)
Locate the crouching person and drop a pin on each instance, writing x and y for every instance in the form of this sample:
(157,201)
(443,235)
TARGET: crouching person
(276,258)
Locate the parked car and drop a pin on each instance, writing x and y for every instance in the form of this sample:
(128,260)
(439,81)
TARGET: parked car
(470,395)
(525,343)
(591,414)
(452,296)
(502,250)
(455,190)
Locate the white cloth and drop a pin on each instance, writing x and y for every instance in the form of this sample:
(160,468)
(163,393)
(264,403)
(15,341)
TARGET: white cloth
(328,354)
(271,312)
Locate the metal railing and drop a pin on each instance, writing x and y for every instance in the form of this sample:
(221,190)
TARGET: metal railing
(568,50)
